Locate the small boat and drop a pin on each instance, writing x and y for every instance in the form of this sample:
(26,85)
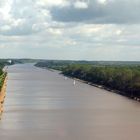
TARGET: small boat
(66,78)
(74,82)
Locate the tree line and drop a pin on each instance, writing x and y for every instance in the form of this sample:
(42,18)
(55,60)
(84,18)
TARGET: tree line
(123,77)
(2,73)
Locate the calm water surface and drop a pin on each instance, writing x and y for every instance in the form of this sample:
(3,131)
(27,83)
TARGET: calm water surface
(42,105)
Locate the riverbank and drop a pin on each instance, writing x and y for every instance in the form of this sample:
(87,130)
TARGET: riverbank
(46,106)
(120,80)
(3,94)
(104,88)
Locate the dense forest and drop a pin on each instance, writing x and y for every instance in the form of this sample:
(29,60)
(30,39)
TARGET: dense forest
(123,77)
(62,63)
(59,64)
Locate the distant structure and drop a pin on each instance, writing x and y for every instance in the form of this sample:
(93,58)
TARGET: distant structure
(74,82)
(66,78)
(10,61)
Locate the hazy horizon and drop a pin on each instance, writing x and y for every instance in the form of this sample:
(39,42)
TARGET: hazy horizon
(74,60)
(92,30)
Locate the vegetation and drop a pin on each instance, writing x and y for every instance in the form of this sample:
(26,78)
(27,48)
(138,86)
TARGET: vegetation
(4,62)
(124,76)
(59,64)
(21,61)
(2,78)
(124,79)
(2,74)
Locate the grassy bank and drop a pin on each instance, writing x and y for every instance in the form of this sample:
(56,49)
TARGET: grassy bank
(2,78)
(124,78)
(3,74)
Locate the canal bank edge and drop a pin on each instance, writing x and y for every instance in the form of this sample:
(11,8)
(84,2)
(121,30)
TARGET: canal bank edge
(3,94)
(101,87)
(93,84)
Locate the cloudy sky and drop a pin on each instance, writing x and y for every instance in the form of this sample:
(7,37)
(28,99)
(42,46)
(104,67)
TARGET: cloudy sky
(70,29)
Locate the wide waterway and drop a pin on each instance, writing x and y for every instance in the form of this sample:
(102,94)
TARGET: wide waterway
(43,105)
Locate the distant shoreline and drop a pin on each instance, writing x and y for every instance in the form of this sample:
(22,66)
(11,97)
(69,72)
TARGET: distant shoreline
(93,84)
(102,87)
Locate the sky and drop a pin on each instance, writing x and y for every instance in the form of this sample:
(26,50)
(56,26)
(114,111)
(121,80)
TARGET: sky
(70,29)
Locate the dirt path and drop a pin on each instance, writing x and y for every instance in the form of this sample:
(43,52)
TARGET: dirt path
(2,96)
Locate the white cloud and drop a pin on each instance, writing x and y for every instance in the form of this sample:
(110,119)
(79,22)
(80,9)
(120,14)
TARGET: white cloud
(55,31)
(5,7)
(49,3)
(89,29)
(118,32)
(102,1)
(28,25)
(2,46)
(5,28)
(80,5)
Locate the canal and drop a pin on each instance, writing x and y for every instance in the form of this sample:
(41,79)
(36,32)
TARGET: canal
(43,105)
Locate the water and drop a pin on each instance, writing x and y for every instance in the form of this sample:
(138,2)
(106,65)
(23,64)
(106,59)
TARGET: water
(44,105)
